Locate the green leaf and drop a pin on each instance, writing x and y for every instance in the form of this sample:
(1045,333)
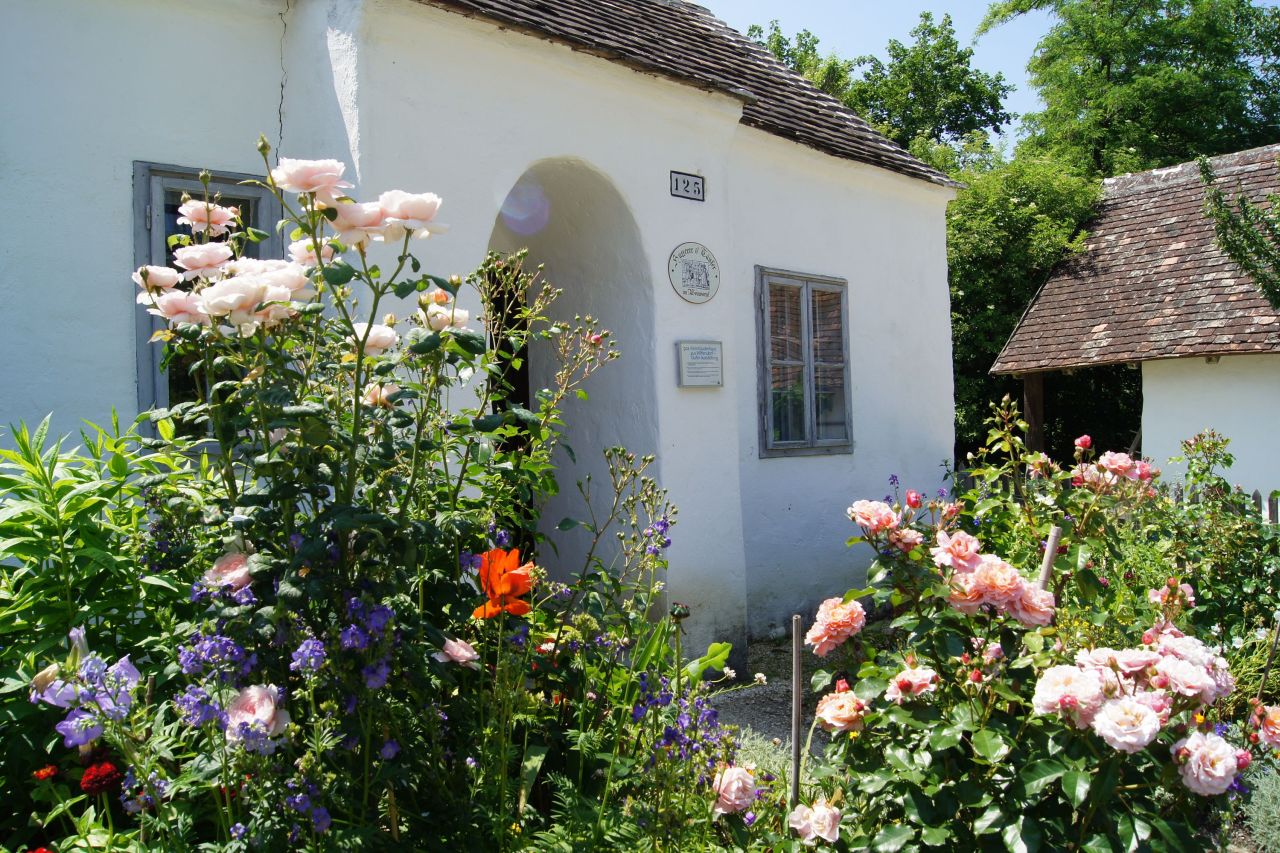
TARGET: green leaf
(339,273)
(1021,836)
(471,341)
(426,344)
(533,758)
(156,580)
(869,688)
(256,235)
(1038,775)
(935,836)
(892,838)
(716,657)
(990,745)
(945,738)
(1075,784)
(568,524)
(820,680)
(989,821)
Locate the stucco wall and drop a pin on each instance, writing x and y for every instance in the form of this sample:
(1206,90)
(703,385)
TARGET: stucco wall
(1239,396)
(417,98)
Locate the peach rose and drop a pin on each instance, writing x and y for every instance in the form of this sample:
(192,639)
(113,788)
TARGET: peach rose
(356,223)
(379,395)
(322,177)
(1118,465)
(437,296)
(820,821)
(202,259)
(258,708)
(1207,763)
(206,216)
(735,789)
(409,213)
(176,306)
(840,711)
(873,516)
(230,571)
(303,252)
(1069,691)
(911,682)
(965,595)
(997,582)
(439,317)
(156,279)
(959,551)
(381,338)
(1126,724)
(1035,608)
(1269,726)
(835,623)
(458,651)
(905,539)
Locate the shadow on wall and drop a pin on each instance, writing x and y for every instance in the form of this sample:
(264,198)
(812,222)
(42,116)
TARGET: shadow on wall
(576,224)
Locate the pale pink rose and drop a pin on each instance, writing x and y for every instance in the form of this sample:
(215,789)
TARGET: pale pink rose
(1223,681)
(1269,726)
(1126,724)
(997,582)
(735,789)
(1092,476)
(357,223)
(176,306)
(230,571)
(958,550)
(381,338)
(1118,465)
(1158,701)
(835,623)
(1184,677)
(201,259)
(911,682)
(234,299)
(873,516)
(992,653)
(412,213)
(257,707)
(1072,692)
(258,266)
(1161,595)
(1186,648)
(965,594)
(1035,608)
(840,711)
(820,821)
(439,317)
(379,395)
(458,651)
(156,279)
(1207,763)
(303,252)
(1144,471)
(322,177)
(206,216)
(1134,661)
(905,539)
(275,303)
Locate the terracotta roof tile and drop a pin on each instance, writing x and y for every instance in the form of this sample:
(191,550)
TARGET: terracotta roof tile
(1152,282)
(685,41)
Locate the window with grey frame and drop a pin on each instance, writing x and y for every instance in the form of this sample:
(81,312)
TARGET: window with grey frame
(158,190)
(804,368)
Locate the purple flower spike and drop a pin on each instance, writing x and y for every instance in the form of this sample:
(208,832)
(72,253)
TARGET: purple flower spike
(79,728)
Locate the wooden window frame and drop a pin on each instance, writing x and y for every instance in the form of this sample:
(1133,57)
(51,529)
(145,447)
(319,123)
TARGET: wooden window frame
(806,283)
(150,182)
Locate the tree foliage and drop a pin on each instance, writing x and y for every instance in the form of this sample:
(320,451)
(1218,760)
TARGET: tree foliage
(1249,233)
(1137,84)
(924,90)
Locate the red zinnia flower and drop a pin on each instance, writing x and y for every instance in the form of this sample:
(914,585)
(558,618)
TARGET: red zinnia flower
(100,778)
(45,773)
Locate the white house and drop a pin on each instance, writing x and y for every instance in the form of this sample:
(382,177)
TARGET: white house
(1152,288)
(602,135)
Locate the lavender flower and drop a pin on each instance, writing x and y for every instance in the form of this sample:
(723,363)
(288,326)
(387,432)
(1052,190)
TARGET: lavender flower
(352,637)
(389,750)
(239,831)
(79,728)
(309,657)
(320,819)
(375,675)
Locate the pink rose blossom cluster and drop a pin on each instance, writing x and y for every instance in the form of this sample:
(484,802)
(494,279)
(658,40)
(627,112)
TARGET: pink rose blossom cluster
(995,584)
(735,789)
(911,682)
(1111,468)
(207,217)
(1207,763)
(874,517)
(229,572)
(836,622)
(395,215)
(1266,720)
(841,710)
(1173,594)
(817,822)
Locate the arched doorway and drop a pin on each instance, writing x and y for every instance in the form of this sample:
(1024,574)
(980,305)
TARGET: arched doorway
(575,223)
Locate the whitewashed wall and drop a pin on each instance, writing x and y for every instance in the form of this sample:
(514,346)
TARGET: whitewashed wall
(1239,396)
(417,98)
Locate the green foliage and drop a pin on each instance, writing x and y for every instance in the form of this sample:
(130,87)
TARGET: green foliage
(1262,812)
(829,73)
(1136,84)
(1006,232)
(1249,233)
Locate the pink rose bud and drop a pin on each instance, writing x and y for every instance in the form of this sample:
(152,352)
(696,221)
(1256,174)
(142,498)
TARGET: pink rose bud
(914,499)
(964,659)
(1148,637)
(842,686)
(1243,759)
(976,676)
(1084,442)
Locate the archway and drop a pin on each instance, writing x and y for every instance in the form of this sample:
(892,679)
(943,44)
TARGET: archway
(575,223)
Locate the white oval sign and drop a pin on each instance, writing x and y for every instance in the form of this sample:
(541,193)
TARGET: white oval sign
(694,272)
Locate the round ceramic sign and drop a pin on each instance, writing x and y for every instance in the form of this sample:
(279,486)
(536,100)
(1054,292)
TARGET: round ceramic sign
(694,272)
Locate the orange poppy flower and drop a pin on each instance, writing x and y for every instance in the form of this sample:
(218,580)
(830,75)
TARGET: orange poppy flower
(503,580)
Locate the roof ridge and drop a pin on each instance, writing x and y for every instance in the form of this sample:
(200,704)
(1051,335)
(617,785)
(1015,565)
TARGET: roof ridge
(1165,175)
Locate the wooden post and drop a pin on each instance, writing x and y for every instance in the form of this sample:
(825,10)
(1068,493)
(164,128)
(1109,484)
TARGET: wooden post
(1033,409)
(1273,508)
(1271,656)
(1050,553)
(796,696)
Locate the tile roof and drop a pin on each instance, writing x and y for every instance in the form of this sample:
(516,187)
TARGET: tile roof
(1152,282)
(686,42)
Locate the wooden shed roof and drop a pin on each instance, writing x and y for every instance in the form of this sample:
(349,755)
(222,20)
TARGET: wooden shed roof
(686,42)
(1152,282)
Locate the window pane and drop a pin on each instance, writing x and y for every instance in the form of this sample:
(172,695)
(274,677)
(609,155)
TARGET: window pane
(784,323)
(828,402)
(828,340)
(786,392)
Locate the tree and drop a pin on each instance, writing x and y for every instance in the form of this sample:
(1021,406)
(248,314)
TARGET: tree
(1248,234)
(927,90)
(1130,85)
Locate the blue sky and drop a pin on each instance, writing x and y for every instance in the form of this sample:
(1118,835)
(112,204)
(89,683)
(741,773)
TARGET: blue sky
(855,27)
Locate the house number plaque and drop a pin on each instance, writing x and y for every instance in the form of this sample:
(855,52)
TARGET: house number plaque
(694,272)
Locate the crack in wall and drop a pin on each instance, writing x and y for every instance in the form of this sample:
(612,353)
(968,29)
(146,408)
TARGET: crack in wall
(284,76)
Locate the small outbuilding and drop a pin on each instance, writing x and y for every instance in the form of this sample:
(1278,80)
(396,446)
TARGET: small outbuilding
(759,252)
(1153,289)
